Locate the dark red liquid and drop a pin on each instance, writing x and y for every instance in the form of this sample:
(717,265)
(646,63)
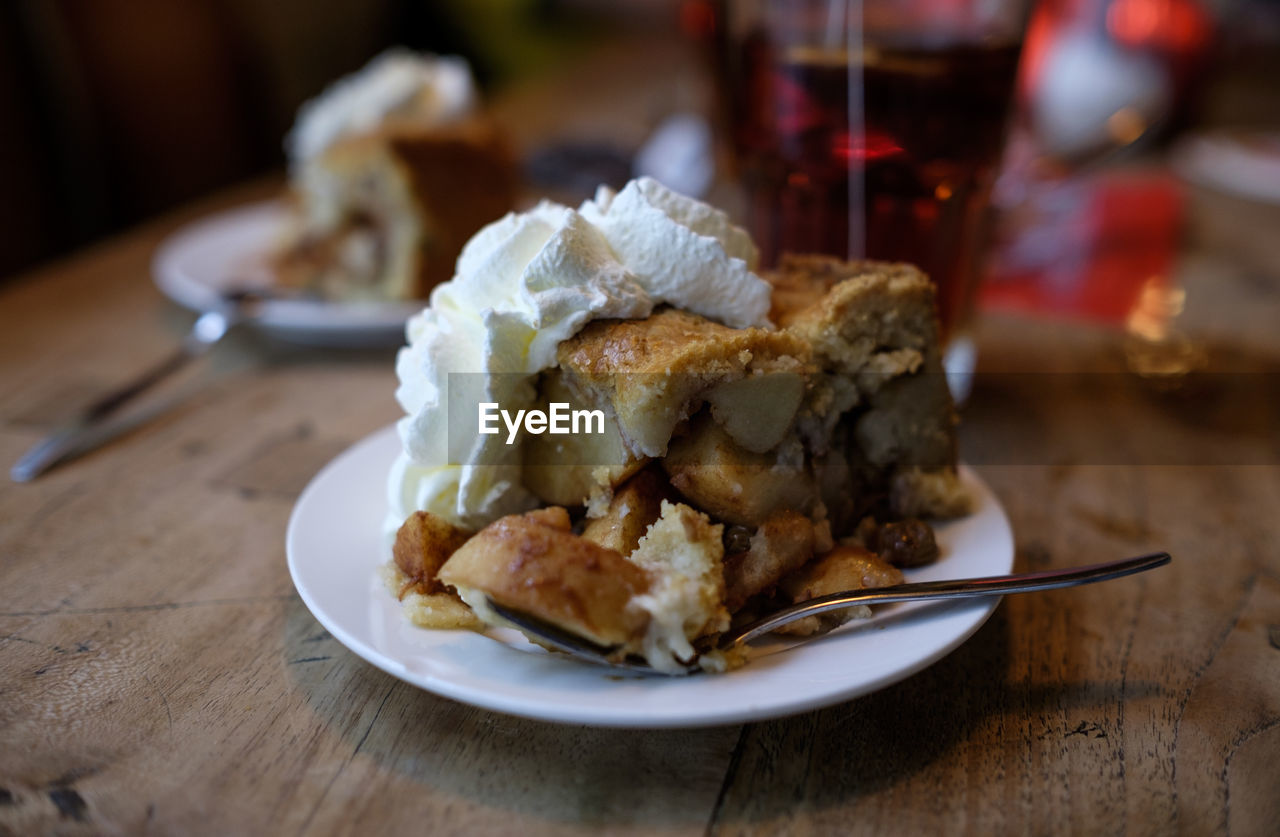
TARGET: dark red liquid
(900,170)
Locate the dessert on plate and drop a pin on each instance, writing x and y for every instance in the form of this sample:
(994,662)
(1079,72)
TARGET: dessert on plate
(391,170)
(747,440)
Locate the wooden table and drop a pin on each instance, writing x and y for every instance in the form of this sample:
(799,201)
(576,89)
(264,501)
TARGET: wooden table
(159,674)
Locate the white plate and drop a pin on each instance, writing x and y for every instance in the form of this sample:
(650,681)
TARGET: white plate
(335,547)
(203,258)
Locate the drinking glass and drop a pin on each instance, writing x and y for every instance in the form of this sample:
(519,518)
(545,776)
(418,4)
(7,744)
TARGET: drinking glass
(872,128)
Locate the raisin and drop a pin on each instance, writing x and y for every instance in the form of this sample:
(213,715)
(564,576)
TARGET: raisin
(736,539)
(907,543)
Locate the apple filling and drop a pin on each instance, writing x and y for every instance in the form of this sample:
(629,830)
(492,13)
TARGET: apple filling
(383,215)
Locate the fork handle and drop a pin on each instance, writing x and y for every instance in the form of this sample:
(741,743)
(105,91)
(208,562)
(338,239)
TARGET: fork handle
(964,588)
(90,426)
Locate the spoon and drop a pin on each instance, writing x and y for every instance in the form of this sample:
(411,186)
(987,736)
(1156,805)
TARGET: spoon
(965,588)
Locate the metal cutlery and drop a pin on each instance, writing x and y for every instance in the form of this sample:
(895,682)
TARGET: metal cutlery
(998,585)
(96,423)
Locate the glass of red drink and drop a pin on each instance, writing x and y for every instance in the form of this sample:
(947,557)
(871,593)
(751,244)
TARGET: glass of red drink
(872,129)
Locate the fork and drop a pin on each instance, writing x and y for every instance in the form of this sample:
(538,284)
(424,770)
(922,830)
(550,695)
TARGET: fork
(965,588)
(93,425)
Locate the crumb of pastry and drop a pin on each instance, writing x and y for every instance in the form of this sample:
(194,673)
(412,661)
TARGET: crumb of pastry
(683,554)
(440,611)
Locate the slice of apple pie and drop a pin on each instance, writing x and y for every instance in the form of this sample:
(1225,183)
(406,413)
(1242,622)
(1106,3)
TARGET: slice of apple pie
(392,169)
(739,467)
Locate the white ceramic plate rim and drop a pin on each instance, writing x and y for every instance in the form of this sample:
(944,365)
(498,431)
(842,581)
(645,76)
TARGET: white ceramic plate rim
(335,545)
(194,264)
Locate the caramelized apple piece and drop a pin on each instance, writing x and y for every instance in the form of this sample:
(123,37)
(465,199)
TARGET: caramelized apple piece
(782,545)
(843,568)
(636,504)
(758,410)
(566,469)
(730,482)
(423,543)
(534,563)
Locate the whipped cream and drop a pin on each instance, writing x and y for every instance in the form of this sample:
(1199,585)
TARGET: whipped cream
(426,89)
(524,284)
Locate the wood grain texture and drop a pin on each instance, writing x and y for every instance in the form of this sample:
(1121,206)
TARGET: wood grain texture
(1120,708)
(159,675)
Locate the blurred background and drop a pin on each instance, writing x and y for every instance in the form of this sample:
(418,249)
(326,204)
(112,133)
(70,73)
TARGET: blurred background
(113,111)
